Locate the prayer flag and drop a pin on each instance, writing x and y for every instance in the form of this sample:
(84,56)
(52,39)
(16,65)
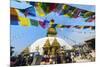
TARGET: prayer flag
(92,27)
(39,10)
(65,10)
(45,8)
(34,22)
(13,16)
(52,6)
(87,14)
(13,11)
(30,11)
(79,27)
(86,27)
(91,19)
(69,12)
(76,13)
(24,21)
(59,26)
(13,20)
(32,3)
(82,13)
(24,12)
(67,26)
(42,24)
(59,8)
(46,21)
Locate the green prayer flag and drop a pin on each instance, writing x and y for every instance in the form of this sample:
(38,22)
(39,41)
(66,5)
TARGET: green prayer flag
(87,14)
(34,22)
(45,7)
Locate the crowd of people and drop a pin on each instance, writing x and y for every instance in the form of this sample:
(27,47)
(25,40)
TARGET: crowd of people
(21,60)
(69,57)
(58,59)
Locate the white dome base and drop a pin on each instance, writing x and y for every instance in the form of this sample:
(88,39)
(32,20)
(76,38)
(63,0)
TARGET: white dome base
(40,43)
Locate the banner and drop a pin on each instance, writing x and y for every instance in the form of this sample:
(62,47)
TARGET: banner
(39,10)
(30,11)
(34,22)
(24,21)
(13,11)
(14,20)
(91,19)
(42,24)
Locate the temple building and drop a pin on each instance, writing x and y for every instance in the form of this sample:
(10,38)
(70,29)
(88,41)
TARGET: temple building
(49,45)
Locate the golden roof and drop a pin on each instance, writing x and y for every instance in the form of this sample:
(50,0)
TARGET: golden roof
(55,43)
(47,43)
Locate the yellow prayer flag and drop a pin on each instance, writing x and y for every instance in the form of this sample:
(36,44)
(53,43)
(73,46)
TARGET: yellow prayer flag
(81,27)
(59,26)
(87,14)
(40,11)
(24,21)
(65,6)
(39,4)
(66,15)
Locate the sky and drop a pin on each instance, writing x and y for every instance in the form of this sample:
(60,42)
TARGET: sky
(22,37)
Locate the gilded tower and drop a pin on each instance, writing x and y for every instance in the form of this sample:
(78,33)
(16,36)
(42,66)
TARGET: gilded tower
(46,47)
(55,46)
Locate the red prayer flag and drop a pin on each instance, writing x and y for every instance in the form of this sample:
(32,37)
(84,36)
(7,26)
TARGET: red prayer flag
(42,24)
(91,19)
(52,6)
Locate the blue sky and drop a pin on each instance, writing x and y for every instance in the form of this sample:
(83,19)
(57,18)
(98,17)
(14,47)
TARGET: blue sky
(22,37)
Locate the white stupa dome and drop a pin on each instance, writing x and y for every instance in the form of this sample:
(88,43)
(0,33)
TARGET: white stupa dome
(40,43)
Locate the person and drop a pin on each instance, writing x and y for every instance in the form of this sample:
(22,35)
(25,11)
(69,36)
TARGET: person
(68,58)
(38,60)
(19,61)
(30,60)
(23,62)
(58,59)
(50,60)
(47,58)
(13,61)
(43,61)
(53,59)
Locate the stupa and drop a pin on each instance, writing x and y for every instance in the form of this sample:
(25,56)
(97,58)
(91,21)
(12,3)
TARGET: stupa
(50,44)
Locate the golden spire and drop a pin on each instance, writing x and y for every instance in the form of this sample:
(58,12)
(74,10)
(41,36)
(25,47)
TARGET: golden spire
(47,44)
(46,47)
(51,30)
(55,43)
(55,47)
